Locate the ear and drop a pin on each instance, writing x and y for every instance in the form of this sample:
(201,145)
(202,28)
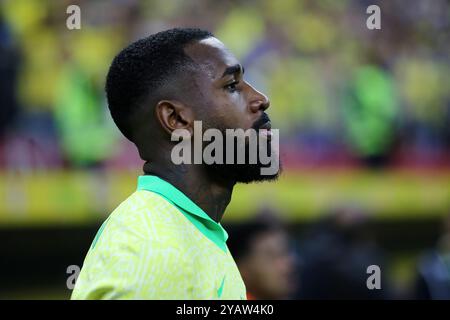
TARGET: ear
(174,115)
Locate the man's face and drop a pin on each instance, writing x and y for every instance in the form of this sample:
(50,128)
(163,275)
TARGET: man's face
(268,270)
(226,101)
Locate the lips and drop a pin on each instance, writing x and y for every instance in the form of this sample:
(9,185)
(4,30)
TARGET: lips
(265,130)
(267,126)
(263,126)
(264,120)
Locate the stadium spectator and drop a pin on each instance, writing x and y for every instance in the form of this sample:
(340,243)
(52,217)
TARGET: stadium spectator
(261,251)
(334,257)
(433,278)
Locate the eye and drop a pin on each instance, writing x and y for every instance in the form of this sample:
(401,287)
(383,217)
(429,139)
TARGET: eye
(231,87)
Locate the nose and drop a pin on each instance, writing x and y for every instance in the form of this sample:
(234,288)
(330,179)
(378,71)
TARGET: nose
(258,101)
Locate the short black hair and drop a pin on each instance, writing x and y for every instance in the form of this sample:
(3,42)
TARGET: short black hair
(143,67)
(241,236)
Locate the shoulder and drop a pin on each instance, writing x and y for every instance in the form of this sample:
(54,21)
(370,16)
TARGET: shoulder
(137,249)
(145,216)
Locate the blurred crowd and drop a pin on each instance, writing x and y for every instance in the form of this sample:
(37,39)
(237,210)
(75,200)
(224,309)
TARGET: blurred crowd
(341,94)
(337,257)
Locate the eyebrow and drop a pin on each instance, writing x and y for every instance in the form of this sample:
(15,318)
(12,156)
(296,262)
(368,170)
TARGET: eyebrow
(237,68)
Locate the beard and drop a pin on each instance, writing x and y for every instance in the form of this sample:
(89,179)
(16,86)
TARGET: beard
(246,172)
(250,170)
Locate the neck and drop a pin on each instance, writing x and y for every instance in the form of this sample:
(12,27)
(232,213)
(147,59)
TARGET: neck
(212,195)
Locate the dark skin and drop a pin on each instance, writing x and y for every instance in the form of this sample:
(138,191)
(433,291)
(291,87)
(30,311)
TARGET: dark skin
(268,267)
(218,95)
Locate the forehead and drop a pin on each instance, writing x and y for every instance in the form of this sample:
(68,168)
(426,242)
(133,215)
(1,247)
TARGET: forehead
(212,55)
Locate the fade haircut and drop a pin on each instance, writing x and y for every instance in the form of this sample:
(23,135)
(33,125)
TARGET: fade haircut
(143,68)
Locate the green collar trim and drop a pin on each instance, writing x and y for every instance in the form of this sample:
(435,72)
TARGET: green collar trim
(211,229)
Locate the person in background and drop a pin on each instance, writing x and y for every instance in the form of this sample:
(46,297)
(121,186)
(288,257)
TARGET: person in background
(261,250)
(334,256)
(433,278)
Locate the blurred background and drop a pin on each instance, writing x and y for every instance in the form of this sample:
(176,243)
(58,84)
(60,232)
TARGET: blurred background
(364,119)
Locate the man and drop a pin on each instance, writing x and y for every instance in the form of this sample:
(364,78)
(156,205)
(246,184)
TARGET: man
(166,241)
(265,261)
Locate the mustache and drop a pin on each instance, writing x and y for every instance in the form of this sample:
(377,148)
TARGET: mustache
(262,120)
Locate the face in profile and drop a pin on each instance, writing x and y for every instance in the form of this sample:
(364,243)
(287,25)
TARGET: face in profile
(268,270)
(226,101)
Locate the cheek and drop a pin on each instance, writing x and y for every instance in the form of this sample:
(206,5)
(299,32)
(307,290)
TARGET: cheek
(232,113)
(224,110)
